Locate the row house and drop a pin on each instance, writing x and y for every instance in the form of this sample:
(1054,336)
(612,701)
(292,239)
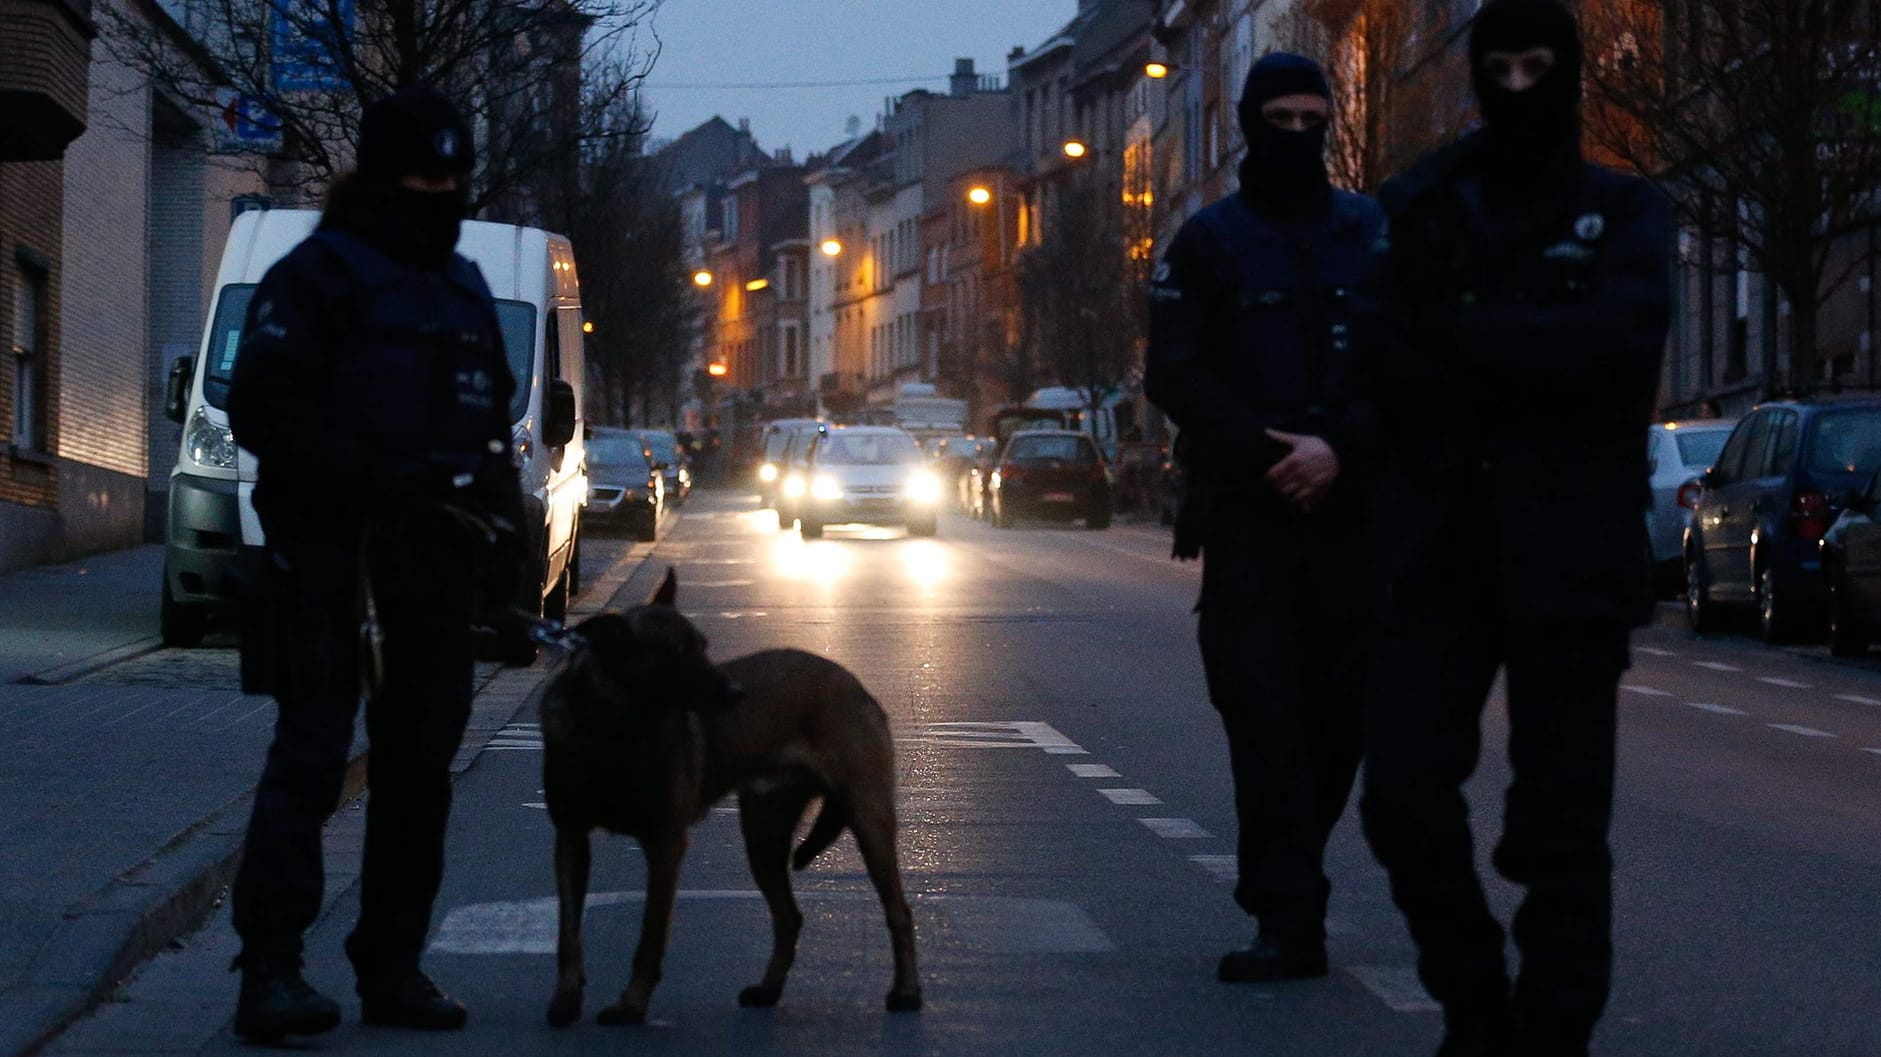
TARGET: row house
(970,296)
(757,268)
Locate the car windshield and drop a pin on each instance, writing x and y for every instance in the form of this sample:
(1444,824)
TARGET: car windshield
(1063,449)
(868,449)
(665,449)
(1701,449)
(516,318)
(1847,442)
(617,449)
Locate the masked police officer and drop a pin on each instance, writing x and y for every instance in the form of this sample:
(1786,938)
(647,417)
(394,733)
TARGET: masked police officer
(373,389)
(1257,312)
(1532,289)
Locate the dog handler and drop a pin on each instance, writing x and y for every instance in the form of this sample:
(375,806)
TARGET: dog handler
(1534,291)
(1257,314)
(373,388)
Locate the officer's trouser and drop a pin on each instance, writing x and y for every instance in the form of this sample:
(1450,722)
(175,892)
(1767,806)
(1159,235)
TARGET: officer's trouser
(1422,741)
(1283,624)
(423,586)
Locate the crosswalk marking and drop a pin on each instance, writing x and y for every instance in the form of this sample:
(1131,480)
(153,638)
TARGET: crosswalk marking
(1129,796)
(1807,732)
(1722,710)
(1024,734)
(1222,867)
(1717,666)
(1858,699)
(1645,691)
(1788,684)
(1092,770)
(1176,828)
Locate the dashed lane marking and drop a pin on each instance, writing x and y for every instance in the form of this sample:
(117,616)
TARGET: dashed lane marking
(720,583)
(1877,752)
(1788,684)
(517,737)
(1092,770)
(1717,666)
(1222,867)
(1655,651)
(1397,987)
(1176,828)
(1022,734)
(1722,710)
(1645,691)
(1807,732)
(1858,699)
(1130,796)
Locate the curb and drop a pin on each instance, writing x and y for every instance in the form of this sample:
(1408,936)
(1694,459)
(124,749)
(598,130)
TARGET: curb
(109,934)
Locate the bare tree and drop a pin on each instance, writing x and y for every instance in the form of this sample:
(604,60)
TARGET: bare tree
(1760,119)
(1361,46)
(534,77)
(1082,293)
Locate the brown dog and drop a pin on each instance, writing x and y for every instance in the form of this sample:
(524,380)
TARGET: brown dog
(642,734)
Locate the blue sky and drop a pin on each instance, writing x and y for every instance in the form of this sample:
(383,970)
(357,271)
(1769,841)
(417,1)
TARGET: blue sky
(732,42)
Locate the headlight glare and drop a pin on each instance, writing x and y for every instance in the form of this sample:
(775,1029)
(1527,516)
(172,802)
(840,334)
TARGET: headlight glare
(767,473)
(793,486)
(207,444)
(924,487)
(826,488)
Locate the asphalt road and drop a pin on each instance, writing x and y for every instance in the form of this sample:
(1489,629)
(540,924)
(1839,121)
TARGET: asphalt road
(1067,840)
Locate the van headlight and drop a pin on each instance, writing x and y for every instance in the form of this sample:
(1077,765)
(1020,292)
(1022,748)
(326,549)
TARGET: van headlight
(521,446)
(924,487)
(767,473)
(793,486)
(207,444)
(826,488)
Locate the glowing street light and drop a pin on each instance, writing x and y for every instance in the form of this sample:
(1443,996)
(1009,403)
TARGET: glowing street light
(831,248)
(1156,71)
(717,370)
(702,278)
(587,326)
(979,196)
(1076,149)
(757,284)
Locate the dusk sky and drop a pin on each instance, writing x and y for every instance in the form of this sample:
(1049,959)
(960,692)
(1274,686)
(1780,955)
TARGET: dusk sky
(736,42)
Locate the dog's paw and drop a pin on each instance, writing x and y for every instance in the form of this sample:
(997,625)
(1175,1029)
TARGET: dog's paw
(904,1001)
(759,996)
(621,1013)
(564,1008)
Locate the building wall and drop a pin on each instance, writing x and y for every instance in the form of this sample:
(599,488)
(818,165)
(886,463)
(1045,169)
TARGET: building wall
(31,211)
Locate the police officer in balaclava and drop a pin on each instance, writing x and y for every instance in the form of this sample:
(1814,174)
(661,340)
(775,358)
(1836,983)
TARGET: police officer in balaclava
(1259,313)
(372,387)
(1530,289)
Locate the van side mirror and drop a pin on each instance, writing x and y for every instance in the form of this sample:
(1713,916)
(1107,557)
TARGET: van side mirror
(176,390)
(558,420)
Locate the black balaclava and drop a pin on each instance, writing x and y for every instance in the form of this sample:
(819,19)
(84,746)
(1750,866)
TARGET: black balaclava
(1285,171)
(1527,134)
(412,132)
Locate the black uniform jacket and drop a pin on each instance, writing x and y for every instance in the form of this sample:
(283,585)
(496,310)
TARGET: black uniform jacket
(364,382)
(1512,409)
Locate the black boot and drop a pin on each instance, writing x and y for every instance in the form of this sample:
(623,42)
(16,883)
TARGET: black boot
(1269,959)
(275,1001)
(411,1002)
(1487,1033)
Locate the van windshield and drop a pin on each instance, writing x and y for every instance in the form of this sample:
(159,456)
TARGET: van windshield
(868,449)
(517,319)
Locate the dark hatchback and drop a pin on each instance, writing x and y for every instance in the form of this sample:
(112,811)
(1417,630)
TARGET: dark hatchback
(1056,475)
(671,460)
(1851,572)
(1785,475)
(624,489)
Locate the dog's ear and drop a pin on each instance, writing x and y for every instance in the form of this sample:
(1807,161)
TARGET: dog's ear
(668,592)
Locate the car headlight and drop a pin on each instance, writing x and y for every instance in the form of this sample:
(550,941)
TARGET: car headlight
(208,444)
(767,473)
(793,486)
(826,488)
(924,487)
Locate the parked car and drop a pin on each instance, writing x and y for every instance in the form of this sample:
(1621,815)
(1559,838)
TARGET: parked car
(1677,455)
(211,521)
(1782,479)
(773,445)
(625,487)
(1051,474)
(671,460)
(873,475)
(1851,573)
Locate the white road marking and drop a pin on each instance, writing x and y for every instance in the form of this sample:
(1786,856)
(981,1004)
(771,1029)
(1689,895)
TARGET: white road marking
(720,561)
(1858,699)
(518,744)
(1717,666)
(1790,684)
(1645,691)
(1012,735)
(1655,651)
(1722,710)
(996,924)
(1092,770)
(1130,796)
(1223,867)
(1396,987)
(736,614)
(538,805)
(1877,752)
(1176,828)
(1807,732)
(720,583)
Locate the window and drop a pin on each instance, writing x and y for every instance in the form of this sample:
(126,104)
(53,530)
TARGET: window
(1846,442)
(1782,444)
(790,352)
(1732,460)
(728,224)
(28,341)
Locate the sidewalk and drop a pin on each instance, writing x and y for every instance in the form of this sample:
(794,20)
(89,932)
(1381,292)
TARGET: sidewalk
(128,788)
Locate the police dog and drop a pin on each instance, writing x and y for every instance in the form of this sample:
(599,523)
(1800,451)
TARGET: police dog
(642,734)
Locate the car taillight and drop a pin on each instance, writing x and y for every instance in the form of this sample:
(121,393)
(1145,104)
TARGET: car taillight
(1810,511)
(1097,471)
(1010,472)
(1689,493)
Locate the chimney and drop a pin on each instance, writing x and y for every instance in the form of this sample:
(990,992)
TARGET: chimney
(962,83)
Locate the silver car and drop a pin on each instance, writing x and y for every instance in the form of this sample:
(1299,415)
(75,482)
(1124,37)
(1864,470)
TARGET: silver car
(1678,454)
(866,474)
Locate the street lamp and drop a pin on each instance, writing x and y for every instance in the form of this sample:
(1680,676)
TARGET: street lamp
(702,278)
(1156,71)
(979,196)
(1075,149)
(717,370)
(831,248)
(757,284)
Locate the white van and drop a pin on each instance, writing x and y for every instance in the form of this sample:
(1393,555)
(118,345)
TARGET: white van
(211,511)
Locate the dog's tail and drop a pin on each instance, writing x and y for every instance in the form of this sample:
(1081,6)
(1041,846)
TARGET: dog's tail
(830,823)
